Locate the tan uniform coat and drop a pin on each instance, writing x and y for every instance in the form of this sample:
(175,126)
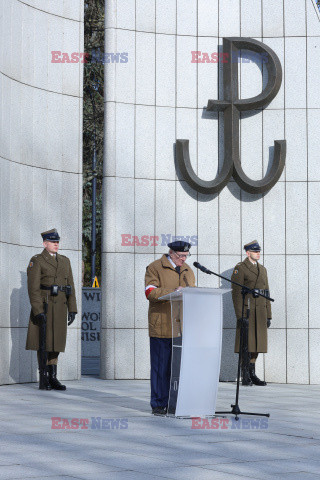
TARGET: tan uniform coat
(252,276)
(162,275)
(44,269)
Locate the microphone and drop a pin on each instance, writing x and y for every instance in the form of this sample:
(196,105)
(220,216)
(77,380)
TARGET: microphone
(202,268)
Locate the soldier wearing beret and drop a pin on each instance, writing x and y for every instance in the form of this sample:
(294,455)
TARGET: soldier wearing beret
(253,275)
(53,303)
(164,276)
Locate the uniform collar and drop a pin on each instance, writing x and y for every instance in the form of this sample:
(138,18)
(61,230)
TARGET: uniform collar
(253,268)
(49,258)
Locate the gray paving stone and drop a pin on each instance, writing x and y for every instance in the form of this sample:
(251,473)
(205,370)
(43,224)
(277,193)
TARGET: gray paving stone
(53,477)
(155,447)
(18,471)
(263,470)
(287,466)
(300,476)
(193,473)
(124,475)
(71,467)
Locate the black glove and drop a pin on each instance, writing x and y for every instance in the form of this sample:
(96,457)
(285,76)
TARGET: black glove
(40,318)
(268,322)
(243,322)
(71,317)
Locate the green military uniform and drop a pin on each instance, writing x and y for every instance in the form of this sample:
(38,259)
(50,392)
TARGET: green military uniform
(53,304)
(252,276)
(46,270)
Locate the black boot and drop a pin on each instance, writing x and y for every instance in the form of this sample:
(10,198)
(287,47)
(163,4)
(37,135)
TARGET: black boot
(54,382)
(43,380)
(246,379)
(255,380)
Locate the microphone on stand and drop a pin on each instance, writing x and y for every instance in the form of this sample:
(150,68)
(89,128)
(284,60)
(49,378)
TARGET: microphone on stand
(202,268)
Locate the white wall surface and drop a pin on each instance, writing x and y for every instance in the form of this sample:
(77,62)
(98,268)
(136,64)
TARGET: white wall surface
(40,165)
(159,96)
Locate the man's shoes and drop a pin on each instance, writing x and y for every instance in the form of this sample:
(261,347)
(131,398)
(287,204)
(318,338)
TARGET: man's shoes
(255,380)
(159,411)
(44,380)
(53,381)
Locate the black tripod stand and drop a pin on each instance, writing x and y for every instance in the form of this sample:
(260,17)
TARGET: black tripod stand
(235,409)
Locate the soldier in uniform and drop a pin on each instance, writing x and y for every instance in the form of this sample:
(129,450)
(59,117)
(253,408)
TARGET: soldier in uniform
(164,276)
(53,303)
(253,275)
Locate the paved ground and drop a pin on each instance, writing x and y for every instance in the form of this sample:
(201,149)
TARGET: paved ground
(148,447)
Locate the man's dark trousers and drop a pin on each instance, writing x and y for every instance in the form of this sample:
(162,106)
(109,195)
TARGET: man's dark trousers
(160,356)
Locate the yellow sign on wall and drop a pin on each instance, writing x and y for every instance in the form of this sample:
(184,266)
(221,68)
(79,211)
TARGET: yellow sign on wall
(95,283)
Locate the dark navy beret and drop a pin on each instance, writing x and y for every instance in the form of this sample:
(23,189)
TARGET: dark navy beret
(179,246)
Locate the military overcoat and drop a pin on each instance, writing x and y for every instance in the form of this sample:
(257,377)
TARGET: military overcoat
(162,275)
(45,269)
(252,276)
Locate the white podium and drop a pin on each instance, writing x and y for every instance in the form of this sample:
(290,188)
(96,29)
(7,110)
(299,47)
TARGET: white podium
(196,315)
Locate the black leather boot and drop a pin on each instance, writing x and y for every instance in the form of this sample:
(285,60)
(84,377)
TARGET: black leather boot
(255,380)
(246,378)
(44,380)
(54,382)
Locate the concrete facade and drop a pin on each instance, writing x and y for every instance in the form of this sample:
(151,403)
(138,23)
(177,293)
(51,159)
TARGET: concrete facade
(159,96)
(41,165)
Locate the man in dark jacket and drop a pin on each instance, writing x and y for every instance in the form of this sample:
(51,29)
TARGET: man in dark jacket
(52,296)
(253,275)
(164,276)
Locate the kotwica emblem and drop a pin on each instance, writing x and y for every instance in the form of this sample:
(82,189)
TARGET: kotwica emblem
(231,106)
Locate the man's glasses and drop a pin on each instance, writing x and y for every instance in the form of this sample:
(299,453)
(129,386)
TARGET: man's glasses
(183,256)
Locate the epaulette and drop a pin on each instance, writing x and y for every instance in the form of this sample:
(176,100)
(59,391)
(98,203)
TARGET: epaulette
(239,264)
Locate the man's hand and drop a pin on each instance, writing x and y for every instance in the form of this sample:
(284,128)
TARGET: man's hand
(71,317)
(40,318)
(268,322)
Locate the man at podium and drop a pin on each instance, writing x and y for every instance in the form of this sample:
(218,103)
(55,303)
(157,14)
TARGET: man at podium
(253,275)
(164,276)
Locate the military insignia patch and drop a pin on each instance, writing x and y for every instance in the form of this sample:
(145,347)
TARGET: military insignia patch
(31,264)
(235,271)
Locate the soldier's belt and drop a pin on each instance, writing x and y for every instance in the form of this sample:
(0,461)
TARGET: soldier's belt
(262,292)
(55,289)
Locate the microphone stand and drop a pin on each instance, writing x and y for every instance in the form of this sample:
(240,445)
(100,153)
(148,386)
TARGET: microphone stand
(235,409)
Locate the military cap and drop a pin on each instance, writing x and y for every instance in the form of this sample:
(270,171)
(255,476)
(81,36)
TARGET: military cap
(252,246)
(179,246)
(51,235)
